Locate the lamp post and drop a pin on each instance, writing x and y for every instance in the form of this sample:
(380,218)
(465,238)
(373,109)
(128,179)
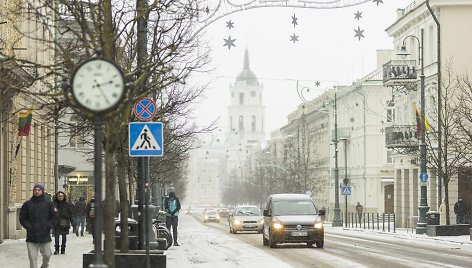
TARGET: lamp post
(423,207)
(337,219)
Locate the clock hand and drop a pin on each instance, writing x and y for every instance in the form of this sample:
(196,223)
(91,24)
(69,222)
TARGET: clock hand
(106,83)
(101,91)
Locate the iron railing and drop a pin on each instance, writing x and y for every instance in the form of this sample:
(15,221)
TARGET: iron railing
(371,221)
(401,136)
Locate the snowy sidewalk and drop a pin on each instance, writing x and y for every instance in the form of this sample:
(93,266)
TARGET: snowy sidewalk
(402,233)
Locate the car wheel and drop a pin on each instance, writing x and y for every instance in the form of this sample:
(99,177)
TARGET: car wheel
(204,221)
(272,242)
(265,242)
(217,221)
(309,244)
(230,230)
(320,244)
(234,231)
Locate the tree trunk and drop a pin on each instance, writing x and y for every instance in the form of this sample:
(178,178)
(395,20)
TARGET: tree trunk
(109,211)
(124,202)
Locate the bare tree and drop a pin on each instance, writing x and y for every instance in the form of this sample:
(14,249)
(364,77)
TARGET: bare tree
(456,147)
(158,59)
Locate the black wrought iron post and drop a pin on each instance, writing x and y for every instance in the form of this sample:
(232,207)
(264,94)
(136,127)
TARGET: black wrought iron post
(337,219)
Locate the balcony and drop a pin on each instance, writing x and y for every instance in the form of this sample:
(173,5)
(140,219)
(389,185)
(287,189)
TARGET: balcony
(401,136)
(397,72)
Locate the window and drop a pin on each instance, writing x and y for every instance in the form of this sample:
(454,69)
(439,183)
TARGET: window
(390,111)
(389,157)
(241,98)
(253,123)
(241,123)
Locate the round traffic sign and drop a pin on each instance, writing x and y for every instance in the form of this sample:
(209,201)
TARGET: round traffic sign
(145,109)
(424,176)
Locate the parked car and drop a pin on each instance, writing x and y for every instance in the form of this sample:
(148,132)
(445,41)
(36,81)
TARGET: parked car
(292,218)
(211,215)
(223,212)
(245,218)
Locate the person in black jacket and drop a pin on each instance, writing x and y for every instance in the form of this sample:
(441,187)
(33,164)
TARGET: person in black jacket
(460,210)
(172,207)
(64,211)
(80,214)
(38,216)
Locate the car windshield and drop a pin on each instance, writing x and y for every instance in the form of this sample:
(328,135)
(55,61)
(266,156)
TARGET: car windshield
(248,211)
(294,207)
(211,212)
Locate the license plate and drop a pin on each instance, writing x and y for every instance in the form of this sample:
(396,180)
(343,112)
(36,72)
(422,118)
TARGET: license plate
(299,234)
(250,226)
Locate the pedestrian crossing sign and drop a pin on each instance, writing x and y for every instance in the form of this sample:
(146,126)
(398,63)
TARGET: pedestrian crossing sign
(145,139)
(346,189)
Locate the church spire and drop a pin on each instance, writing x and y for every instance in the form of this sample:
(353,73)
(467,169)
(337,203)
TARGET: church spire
(246,60)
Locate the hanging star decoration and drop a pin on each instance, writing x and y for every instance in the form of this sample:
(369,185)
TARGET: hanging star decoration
(229,42)
(294,20)
(317,83)
(230,24)
(294,38)
(378,1)
(358,15)
(359,33)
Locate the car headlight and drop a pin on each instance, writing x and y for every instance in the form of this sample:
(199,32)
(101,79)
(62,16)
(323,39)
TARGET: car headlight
(237,222)
(217,217)
(318,225)
(206,217)
(277,226)
(261,221)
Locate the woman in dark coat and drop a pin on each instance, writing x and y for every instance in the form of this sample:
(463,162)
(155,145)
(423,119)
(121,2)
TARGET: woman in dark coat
(65,213)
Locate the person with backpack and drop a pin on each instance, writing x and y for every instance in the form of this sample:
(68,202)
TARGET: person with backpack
(172,208)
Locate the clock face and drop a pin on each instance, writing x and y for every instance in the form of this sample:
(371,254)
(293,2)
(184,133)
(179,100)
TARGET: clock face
(98,85)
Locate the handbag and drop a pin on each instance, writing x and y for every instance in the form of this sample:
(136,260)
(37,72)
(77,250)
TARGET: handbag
(64,224)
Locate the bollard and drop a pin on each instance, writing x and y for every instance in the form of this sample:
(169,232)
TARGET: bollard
(383,222)
(356,220)
(394,222)
(378,226)
(368,221)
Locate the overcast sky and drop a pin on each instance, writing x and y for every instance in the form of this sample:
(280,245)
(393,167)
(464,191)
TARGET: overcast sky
(327,51)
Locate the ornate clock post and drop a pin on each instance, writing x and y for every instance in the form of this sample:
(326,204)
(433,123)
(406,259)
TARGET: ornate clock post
(98,86)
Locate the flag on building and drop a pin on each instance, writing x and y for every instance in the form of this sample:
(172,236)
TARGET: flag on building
(24,122)
(418,121)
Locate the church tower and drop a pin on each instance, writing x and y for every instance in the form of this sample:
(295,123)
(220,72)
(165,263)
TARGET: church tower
(246,116)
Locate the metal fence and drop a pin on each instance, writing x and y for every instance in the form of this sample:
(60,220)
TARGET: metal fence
(372,221)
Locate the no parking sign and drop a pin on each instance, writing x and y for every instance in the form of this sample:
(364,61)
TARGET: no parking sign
(145,109)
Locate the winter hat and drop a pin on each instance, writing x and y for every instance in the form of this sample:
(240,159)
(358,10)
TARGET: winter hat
(40,186)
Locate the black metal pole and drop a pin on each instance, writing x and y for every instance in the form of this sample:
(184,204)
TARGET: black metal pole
(439,130)
(146,211)
(423,207)
(336,220)
(97,174)
(345,171)
(140,196)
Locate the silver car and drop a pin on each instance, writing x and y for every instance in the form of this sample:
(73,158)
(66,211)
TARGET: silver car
(245,218)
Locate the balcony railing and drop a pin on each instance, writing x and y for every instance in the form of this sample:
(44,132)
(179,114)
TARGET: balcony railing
(399,71)
(401,136)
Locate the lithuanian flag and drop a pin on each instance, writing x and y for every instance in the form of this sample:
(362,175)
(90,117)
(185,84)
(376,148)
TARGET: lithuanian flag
(24,122)
(418,121)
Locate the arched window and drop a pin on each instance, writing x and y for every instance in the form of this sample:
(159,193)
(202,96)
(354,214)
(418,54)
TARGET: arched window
(241,123)
(253,123)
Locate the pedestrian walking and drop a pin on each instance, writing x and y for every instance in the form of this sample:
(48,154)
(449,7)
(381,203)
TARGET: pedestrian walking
(64,211)
(359,210)
(460,210)
(80,216)
(91,217)
(38,216)
(172,208)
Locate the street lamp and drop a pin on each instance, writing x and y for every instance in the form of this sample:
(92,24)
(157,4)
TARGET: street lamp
(337,219)
(423,207)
